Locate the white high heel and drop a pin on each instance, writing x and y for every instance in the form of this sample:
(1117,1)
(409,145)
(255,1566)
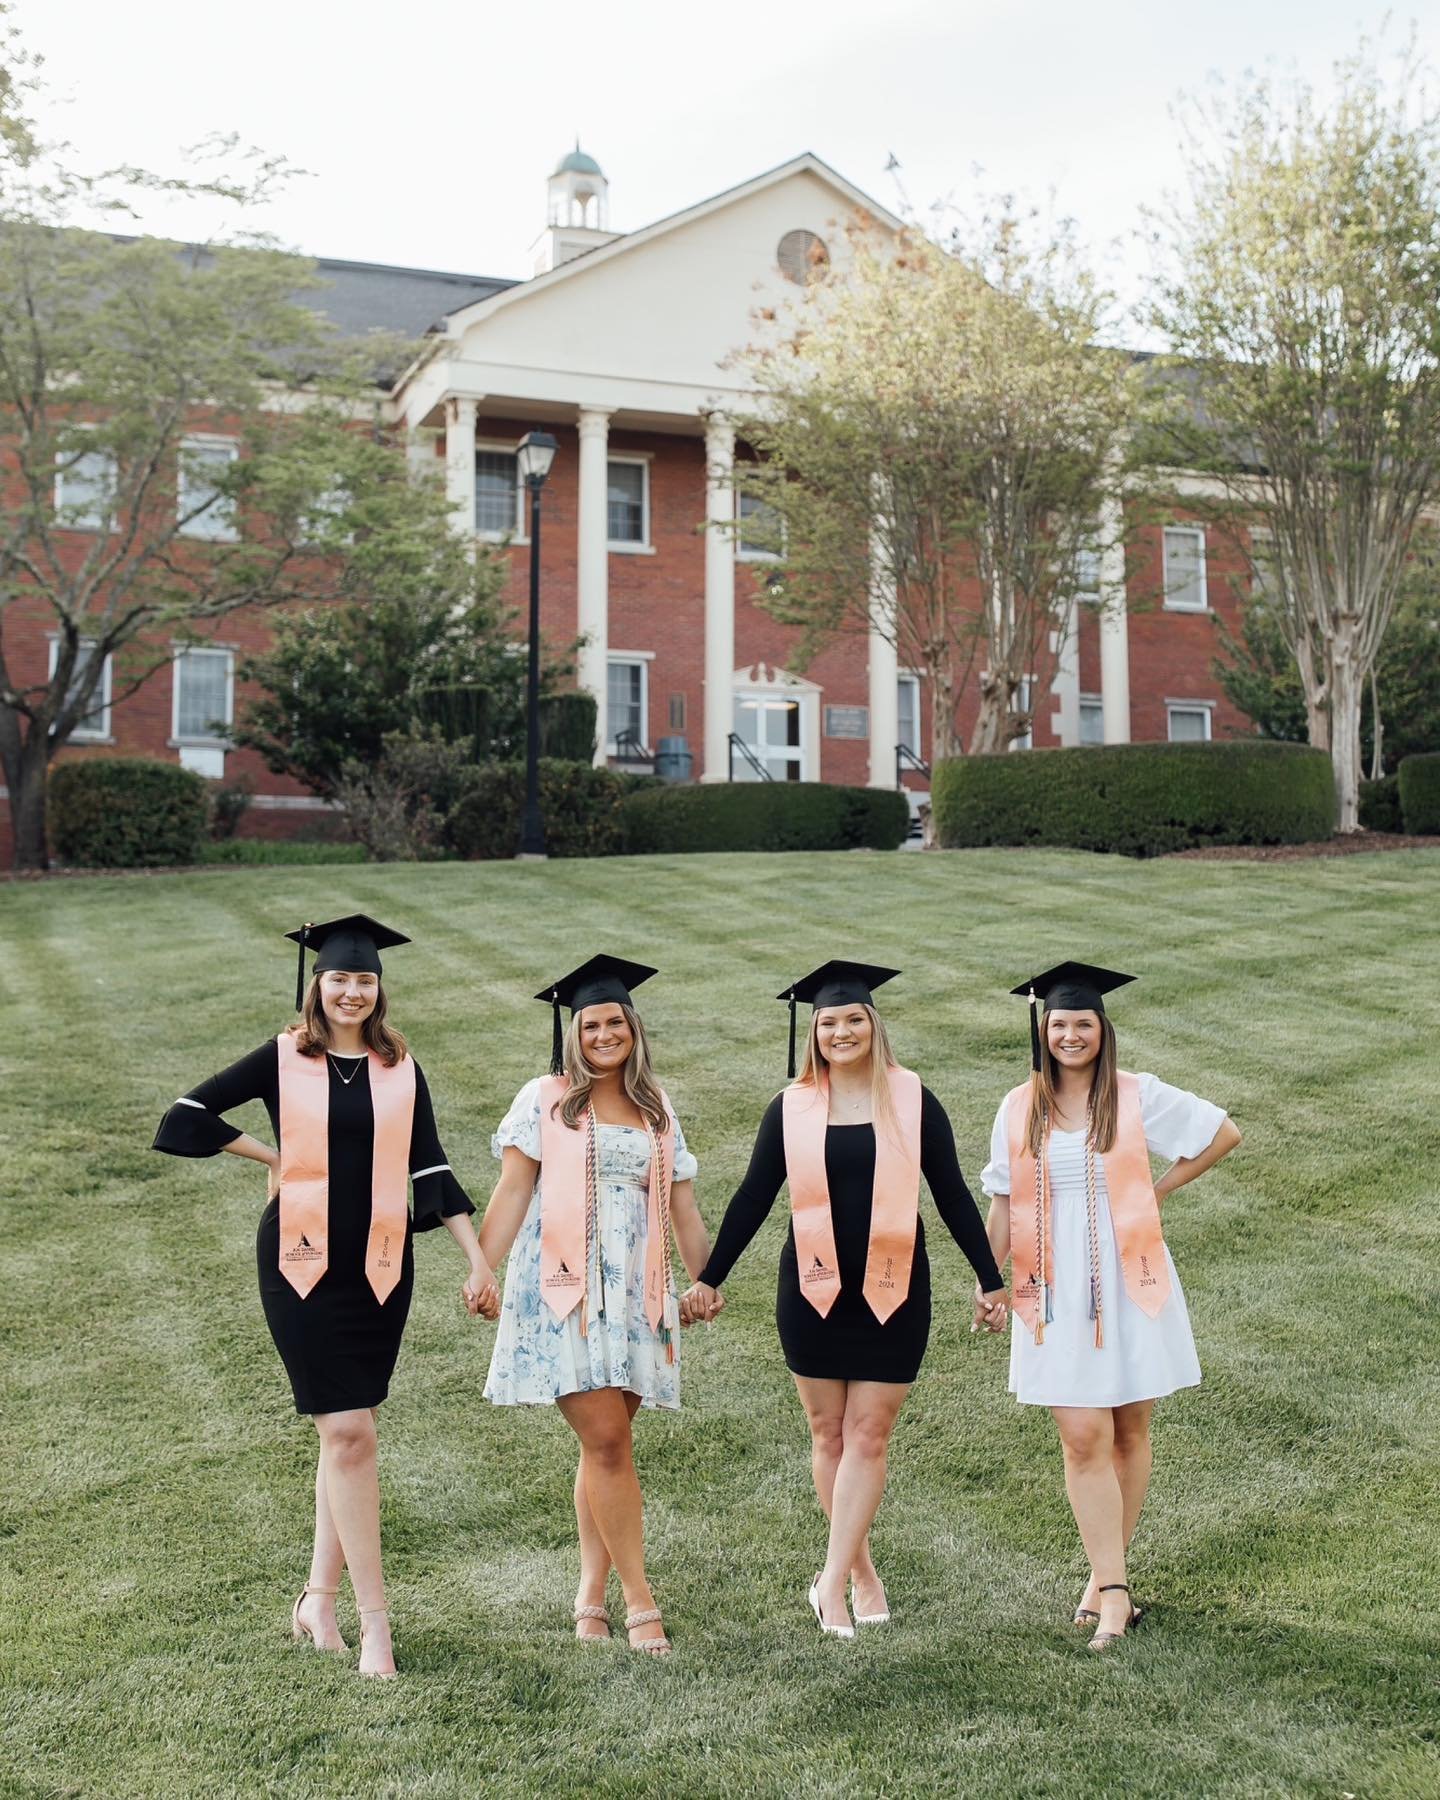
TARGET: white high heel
(841,1631)
(882,1618)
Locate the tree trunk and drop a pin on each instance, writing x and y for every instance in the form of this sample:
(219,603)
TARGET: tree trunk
(992,721)
(943,738)
(1317,697)
(1346,683)
(1377,730)
(25,776)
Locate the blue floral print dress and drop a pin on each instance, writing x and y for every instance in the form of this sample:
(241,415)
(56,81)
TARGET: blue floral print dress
(539,1357)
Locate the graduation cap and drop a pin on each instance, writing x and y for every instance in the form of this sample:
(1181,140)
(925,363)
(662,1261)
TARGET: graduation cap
(354,942)
(835,983)
(1075,986)
(592,984)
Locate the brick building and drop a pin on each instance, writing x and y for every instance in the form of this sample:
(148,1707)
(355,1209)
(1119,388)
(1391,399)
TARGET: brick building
(620,345)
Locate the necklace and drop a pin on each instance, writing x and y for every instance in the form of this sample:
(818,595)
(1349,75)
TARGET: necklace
(345,1079)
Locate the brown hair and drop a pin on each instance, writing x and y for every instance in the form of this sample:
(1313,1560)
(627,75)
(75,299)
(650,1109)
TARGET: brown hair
(312,1034)
(637,1078)
(882,1060)
(1104,1091)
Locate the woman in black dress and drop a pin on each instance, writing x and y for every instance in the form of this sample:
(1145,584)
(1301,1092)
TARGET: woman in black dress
(334,1292)
(852,1136)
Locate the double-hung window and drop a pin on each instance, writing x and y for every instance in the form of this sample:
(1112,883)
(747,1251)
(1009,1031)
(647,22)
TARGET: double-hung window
(94,727)
(1092,719)
(1188,721)
(627,503)
(759,530)
(202,507)
(85,490)
(1184,554)
(499,498)
(907,734)
(627,703)
(203,707)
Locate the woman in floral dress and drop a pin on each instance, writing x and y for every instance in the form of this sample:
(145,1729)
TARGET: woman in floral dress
(594,1176)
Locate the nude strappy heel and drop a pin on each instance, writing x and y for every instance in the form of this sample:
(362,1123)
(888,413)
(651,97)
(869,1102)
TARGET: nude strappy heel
(374,1674)
(660,1646)
(301,1632)
(1102,1640)
(593,1612)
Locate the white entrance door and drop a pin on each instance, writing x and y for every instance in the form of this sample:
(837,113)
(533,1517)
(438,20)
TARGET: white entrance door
(769,726)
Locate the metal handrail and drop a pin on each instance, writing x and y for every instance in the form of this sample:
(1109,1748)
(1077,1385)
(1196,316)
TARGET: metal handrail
(629,748)
(906,757)
(738,743)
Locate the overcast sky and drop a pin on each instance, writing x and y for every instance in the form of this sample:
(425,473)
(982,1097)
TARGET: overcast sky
(429,128)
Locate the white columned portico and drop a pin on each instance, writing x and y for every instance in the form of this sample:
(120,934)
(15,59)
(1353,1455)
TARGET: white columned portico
(884,694)
(1065,642)
(592,565)
(460,462)
(1114,625)
(719,596)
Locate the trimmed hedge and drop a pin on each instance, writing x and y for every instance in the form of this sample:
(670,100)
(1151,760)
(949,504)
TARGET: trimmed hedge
(1380,804)
(567,726)
(765,815)
(581,807)
(1139,799)
(127,812)
(1419,782)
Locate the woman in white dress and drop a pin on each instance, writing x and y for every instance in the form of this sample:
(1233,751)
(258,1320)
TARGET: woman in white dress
(594,1176)
(1101,1331)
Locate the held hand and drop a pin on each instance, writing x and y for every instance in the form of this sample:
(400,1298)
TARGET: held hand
(700,1302)
(991,1309)
(481,1292)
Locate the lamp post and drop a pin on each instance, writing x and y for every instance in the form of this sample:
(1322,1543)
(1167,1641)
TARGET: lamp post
(533,456)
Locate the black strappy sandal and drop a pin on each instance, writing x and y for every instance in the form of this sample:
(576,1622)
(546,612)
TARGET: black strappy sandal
(1102,1640)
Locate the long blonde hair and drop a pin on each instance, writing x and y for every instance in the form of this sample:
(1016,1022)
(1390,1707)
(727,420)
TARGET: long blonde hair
(882,1059)
(1104,1091)
(313,1037)
(638,1079)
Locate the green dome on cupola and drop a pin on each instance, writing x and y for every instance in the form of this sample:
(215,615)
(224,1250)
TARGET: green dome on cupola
(578,163)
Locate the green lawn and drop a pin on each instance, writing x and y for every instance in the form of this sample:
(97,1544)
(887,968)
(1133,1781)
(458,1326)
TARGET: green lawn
(155,1479)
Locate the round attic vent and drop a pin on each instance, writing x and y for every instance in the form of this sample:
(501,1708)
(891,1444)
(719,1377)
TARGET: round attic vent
(802,256)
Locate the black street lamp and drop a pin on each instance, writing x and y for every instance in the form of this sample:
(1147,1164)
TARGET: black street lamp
(533,456)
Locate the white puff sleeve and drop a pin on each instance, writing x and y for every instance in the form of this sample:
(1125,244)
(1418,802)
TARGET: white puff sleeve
(1176,1123)
(686,1166)
(995,1176)
(521,1125)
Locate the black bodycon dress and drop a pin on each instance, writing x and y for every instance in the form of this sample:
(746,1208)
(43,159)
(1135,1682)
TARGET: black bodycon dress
(338,1343)
(850,1343)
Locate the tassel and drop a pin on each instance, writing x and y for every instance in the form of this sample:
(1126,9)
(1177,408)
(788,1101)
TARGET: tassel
(300,966)
(1049,1304)
(1035,1062)
(790,1068)
(557,1036)
(1099,1332)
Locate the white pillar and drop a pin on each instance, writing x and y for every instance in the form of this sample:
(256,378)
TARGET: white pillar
(1114,625)
(592,565)
(1065,642)
(884,686)
(460,462)
(719,597)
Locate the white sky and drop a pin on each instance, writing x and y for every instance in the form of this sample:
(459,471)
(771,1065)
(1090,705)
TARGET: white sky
(429,128)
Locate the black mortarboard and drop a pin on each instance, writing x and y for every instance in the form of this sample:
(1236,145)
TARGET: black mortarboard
(1076,986)
(592,984)
(835,983)
(354,942)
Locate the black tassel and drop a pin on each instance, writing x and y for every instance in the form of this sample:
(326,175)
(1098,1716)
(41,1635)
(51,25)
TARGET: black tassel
(300,968)
(790,1070)
(557,1037)
(1035,1063)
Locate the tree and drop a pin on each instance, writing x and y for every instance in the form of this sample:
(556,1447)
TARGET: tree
(1303,293)
(934,441)
(121,528)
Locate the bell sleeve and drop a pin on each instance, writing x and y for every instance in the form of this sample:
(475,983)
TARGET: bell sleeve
(953,1199)
(754,1197)
(194,1127)
(1176,1123)
(995,1176)
(437,1195)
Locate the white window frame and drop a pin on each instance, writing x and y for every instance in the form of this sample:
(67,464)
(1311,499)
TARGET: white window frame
(742,554)
(1097,703)
(96,729)
(634,658)
(909,678)
(1206,708)
(520,535)
(756,683)
(1172,605)
(1090,596)
(211,740)
(217,524)
(84,524)
(644,547)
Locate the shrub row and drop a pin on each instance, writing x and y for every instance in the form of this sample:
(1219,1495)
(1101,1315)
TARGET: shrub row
(765,815)
(127,812)
(1139,799)
(1419,784)
(581,807)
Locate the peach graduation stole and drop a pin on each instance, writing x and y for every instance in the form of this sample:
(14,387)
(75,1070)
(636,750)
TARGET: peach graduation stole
(894,1207)
(568,1176)
(1134,1214)
(305,1168)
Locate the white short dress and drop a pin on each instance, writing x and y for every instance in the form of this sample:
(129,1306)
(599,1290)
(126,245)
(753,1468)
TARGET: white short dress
(539,1357)
(1142,1358)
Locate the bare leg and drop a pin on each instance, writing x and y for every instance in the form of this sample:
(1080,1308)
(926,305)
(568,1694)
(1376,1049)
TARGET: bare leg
(871,1409)
(327,1563)
(824,1403)
(594,1557)
(1087,1437)
(352,1486)
(601,1421)
(1132,1460)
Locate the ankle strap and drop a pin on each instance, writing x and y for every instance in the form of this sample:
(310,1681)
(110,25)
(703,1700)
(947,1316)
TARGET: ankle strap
(1111,1587)
(310,1588)
(369,1611)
